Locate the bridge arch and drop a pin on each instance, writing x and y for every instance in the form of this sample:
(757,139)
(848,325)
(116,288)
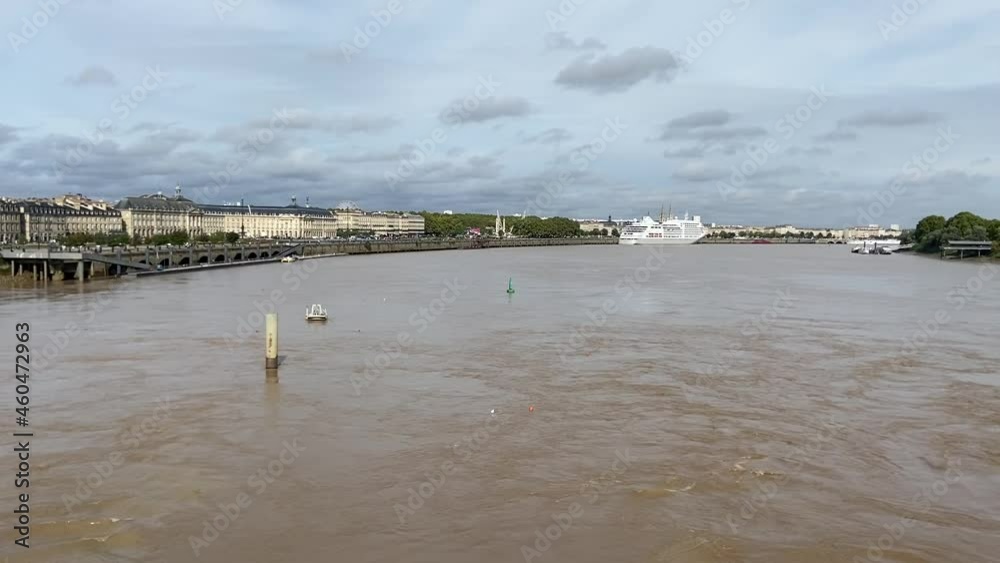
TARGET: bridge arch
(237,256)
(165,262)
(220,258)
(203,259)
(186,261)
(252,256)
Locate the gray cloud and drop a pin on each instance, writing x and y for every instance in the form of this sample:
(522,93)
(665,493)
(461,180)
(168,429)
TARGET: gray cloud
(978,162)
(711,118)
(837,136)
(618,73)
(811,151)
(303,119)
(684,152)
(708,126)
(150,126)
(494,107)
(891,118)
(560,41)
(8,134)
(403,152)
(700,172)
(714,133)
(552,136)
(94,75)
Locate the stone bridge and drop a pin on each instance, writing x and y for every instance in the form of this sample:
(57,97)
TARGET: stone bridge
(82,263)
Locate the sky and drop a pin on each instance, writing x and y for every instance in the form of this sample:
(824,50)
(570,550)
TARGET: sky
(822,114)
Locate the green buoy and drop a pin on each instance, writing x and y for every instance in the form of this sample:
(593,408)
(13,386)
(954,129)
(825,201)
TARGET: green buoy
(510,286)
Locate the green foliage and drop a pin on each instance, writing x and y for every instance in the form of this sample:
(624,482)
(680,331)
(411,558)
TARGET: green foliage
(934,231)
(86,239)
(348,233)
(553,227)
(615,233)
(176,238)
(928,225)
(441,225)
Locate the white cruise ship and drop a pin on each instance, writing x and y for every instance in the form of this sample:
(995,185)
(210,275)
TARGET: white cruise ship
(673,230)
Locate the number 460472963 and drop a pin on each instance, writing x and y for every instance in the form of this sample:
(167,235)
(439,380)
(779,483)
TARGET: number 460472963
(21,370)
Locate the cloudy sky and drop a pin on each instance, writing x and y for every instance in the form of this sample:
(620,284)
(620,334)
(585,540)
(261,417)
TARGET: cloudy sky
(439,104)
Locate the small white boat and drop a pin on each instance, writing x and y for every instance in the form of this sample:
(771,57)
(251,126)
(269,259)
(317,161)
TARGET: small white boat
(288,259)
(316,313)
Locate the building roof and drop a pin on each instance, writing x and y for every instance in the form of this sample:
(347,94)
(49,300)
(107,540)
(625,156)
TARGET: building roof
(266,210)
(156,202)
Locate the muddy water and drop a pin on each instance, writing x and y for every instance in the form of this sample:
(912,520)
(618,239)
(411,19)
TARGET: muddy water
(709,404)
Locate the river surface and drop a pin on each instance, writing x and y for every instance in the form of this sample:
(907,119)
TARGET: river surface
(695,404)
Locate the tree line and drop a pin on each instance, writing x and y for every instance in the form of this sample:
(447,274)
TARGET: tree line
(934,231)
(458,224)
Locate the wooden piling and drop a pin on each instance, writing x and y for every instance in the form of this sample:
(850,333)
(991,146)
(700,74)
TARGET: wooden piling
(271,352)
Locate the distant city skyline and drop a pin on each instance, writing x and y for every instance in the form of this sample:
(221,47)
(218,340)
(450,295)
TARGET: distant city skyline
(738,111)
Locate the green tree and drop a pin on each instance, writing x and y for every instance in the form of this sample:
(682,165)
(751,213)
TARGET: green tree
(615,233)
(231,238)
(928,225)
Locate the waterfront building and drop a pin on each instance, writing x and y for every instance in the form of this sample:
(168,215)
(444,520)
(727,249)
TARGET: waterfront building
(351,218)
(157,214)
(290,221)
(42,220)
(87,216)
(10,222)
(151,215)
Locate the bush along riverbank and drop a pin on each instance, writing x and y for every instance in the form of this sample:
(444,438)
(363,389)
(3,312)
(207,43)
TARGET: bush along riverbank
(934,231)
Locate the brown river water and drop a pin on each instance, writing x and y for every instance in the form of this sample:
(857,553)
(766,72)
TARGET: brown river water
(691,404)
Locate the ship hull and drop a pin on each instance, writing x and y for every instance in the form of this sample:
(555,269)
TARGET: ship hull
(656,241)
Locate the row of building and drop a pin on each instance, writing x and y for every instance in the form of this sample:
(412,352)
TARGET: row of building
(43,220)
(849,233)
